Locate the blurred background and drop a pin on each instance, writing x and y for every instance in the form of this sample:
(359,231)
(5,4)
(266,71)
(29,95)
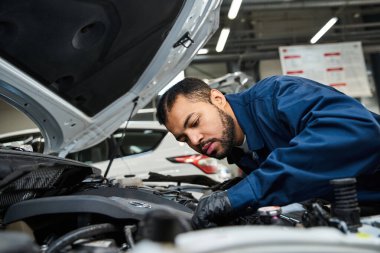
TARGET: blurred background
(257,30)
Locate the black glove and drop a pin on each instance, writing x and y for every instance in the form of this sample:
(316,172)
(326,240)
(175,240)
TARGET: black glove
(212,211)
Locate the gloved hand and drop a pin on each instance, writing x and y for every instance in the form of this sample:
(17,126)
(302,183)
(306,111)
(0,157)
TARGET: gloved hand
(212,210)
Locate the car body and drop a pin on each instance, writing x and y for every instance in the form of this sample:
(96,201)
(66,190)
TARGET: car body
(79,69)
(269,239)
(147,147)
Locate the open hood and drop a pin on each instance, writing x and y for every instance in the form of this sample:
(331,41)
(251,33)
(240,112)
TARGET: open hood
(79,69)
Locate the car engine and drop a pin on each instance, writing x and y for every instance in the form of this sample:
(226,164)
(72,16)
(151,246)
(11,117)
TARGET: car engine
(49,204)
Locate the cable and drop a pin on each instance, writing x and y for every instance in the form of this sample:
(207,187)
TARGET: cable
(79,233)
(118,145)
(128,231)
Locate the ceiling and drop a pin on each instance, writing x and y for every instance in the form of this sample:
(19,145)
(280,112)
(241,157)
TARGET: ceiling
(263,25)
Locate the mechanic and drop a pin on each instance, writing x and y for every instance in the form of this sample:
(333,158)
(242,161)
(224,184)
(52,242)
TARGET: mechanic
(294,135)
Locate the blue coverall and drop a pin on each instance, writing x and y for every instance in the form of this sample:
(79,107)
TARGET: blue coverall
(303,134)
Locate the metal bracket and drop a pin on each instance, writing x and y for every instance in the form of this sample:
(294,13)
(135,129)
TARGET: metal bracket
(185,41)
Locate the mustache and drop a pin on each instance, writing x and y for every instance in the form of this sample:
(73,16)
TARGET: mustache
(200,146)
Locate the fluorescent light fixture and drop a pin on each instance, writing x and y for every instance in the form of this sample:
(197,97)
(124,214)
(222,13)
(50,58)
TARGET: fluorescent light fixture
(203,51)
(234,9)
(175,80)
(323,30)
(222,39)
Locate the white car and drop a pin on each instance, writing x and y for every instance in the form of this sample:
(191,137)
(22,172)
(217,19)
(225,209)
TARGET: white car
(141,148)
(79,70)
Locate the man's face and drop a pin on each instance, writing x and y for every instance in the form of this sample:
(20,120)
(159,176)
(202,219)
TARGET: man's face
(203,126)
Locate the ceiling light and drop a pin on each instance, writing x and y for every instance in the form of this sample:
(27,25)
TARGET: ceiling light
(203,51)
(234,9)
(323,30)
(222,39)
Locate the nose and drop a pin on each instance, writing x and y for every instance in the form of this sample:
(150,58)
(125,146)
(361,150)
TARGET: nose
(194,137)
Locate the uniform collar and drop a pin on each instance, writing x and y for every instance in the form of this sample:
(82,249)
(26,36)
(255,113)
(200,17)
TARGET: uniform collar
(244,146)
(242,109)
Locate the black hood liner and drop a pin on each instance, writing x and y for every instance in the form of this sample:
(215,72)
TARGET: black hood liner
(88,52)
(190,179)
(17,163)
(25,175)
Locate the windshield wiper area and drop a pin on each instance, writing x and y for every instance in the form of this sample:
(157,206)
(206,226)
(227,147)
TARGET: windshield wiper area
(191,179)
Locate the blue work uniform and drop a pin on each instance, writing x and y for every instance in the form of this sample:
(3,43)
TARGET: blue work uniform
(302,134)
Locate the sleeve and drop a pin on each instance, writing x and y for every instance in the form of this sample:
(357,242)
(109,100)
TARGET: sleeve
(334,136)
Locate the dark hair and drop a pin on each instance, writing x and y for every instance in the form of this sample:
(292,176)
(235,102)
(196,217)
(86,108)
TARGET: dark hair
(193,89)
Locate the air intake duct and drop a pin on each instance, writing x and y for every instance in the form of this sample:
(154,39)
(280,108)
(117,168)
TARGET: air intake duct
(345,206)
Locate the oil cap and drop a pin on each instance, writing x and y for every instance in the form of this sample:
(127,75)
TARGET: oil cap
(270,214)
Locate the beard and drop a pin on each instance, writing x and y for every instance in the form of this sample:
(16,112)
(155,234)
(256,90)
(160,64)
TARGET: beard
(227,140)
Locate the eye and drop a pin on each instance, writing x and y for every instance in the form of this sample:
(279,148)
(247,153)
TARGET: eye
(182,139)
(195,122)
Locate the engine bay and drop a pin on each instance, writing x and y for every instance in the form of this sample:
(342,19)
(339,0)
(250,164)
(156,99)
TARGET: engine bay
(49,204)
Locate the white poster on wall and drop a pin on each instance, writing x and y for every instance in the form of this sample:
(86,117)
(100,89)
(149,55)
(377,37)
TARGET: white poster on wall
(340,65)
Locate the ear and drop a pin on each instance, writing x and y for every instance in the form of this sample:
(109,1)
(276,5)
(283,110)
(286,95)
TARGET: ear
(218,99)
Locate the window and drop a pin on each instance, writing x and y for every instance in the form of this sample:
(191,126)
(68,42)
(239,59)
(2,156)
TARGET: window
(33,139)
(97,153)
(138,140)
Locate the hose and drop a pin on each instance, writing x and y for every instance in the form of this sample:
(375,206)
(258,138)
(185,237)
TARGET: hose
(79,233)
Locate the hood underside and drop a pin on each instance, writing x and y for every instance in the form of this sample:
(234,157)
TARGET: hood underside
(75,67)
(89,53)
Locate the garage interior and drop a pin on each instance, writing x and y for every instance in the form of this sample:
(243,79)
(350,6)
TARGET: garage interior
(259,29)
(116,186)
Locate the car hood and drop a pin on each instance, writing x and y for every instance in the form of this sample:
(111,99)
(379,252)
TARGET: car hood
(79,69)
